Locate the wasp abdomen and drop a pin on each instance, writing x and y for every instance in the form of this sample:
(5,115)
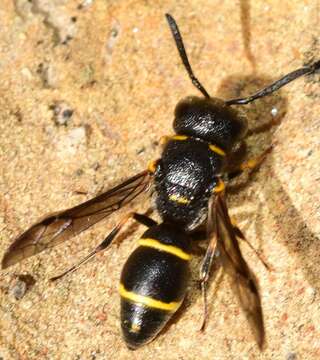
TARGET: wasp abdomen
(153,283)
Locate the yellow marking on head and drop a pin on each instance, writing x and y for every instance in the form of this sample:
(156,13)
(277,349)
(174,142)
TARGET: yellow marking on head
(217,150)
(179,137)
(152,166)
(171,249)
(220,187)
(148,301)
(179,199)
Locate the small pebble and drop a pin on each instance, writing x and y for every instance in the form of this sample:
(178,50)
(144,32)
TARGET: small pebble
(291,356)
(62,113)
(18,289)
(20,286)
(274,112)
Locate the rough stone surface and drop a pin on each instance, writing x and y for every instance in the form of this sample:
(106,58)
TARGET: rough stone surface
(115,64)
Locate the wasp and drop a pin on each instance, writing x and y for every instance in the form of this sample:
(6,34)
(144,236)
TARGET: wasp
(189,190)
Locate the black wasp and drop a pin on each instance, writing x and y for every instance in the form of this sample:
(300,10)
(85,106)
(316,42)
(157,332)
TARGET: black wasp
(189,193)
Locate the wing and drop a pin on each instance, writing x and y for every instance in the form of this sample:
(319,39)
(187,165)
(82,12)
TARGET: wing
(244,282)
(61,226)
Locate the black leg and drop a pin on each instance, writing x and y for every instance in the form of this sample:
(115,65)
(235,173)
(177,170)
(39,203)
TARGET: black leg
(144,220)
(239,234)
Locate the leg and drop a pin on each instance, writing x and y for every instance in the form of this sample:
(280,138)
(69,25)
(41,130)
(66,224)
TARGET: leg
(251,164)
(143,219)
(239,234)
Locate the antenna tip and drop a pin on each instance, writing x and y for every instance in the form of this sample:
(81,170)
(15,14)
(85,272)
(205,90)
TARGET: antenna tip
(169,18)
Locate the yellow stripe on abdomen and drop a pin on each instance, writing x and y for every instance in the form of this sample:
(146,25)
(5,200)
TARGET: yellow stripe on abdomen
(148,301)
(171,249)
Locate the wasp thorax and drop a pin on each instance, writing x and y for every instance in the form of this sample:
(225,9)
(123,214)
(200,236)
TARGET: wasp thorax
(211,120)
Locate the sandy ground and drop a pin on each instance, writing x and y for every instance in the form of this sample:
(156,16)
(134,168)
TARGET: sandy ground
(87,90)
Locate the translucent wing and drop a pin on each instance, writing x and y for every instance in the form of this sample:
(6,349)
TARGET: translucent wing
(61,226)
(243,280)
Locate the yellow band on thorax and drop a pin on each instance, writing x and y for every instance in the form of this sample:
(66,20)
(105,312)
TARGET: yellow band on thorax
(217,150)
(179,137)
(148,301)
(164,139)
(171,249)
(152,166)
(220,187)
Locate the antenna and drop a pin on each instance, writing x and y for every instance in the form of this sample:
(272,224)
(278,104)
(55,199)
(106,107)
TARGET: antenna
(183,55)
(306,70)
